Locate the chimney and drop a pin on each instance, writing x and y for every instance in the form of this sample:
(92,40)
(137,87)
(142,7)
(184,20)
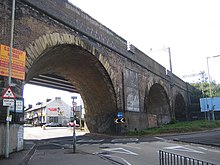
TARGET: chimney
(47,100)
(58,98)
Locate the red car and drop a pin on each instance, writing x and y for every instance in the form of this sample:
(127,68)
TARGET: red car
(71,124)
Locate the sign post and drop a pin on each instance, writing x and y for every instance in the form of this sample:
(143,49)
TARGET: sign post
(8,100)
(120,118)
(74,121)
(9,79)
(118,121)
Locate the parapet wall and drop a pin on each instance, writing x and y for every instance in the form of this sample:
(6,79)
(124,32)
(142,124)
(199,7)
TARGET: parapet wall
(73,17)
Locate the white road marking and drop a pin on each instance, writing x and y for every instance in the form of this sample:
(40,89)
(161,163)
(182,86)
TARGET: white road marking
(159,138)
(125,140)
(120,150)
(203,148)
(210,150)
(129,146)
(184,149)
(127,163)
(90,141)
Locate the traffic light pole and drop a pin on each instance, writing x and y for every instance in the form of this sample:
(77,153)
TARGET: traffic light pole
(74,126)
(74,132)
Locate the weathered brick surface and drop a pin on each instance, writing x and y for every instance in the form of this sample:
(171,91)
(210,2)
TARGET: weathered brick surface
(61,39)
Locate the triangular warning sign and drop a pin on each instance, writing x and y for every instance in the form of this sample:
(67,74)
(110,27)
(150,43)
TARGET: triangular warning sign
(8,93)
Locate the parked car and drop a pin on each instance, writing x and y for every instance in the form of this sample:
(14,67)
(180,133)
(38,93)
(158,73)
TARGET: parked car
(52,124)
(71,124)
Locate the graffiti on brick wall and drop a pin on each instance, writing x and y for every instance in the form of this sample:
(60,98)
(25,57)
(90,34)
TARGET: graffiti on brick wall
(131,91)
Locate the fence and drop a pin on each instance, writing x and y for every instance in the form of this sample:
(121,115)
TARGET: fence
(167,158)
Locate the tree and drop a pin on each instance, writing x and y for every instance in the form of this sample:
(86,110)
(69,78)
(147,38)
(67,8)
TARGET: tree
(215,88)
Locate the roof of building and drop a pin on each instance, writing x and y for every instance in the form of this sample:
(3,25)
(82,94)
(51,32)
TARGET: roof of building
(38,106)
(41,105)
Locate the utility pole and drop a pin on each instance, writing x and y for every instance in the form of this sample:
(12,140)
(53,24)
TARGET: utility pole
(203,79)
(171,81)
(171,68)
(170,74)
(210,89)
(7,140)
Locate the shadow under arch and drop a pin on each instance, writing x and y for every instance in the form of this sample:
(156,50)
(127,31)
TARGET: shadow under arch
(82,68)
(180,108)
(157,106)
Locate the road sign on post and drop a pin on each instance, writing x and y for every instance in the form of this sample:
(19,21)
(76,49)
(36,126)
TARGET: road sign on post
(17,66)
(19,106)
(120,115)
(8,102)
(8,94)
(74,105)
(120,120)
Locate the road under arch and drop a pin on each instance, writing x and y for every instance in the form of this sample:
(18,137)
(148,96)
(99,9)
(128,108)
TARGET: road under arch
(87,74)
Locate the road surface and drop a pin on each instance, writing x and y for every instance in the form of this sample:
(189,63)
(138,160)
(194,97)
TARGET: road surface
(95,149)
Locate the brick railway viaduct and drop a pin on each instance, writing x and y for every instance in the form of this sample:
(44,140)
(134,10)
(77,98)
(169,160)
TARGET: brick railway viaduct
(63,41)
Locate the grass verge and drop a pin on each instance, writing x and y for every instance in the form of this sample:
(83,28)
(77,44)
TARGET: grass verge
(179,127)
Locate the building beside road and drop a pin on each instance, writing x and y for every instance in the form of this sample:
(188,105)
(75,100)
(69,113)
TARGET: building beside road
(52,111)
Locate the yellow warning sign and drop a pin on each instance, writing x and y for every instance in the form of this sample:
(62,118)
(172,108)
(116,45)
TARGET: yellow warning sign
(18,62)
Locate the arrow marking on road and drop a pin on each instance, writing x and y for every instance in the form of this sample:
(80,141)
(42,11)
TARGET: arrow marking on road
(184,149)
(107,156)
(120,150)
(159,138)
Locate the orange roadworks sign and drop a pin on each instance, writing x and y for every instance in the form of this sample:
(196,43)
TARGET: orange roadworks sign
(18,62)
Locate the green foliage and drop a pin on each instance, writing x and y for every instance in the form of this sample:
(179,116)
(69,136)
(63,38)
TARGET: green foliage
(215,88)
(179,127)
(173,121)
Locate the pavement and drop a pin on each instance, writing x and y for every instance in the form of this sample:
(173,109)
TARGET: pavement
(66,156)
(52,156)
(35,149)
(208,137)
(21,157)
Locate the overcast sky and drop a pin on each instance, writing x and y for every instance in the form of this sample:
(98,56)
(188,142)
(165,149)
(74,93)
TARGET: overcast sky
(191,28)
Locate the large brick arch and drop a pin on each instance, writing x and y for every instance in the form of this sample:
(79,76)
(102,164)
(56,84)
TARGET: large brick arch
(96,65)
(157,103)
(81,64)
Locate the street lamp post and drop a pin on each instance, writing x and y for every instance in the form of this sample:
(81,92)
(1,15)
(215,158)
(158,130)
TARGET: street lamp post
(210,89)
(7,135)
(171,69)
(170,74)
(171,80)
(203,79)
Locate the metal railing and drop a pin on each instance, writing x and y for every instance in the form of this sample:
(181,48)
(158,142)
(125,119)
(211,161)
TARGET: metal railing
(167,158)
